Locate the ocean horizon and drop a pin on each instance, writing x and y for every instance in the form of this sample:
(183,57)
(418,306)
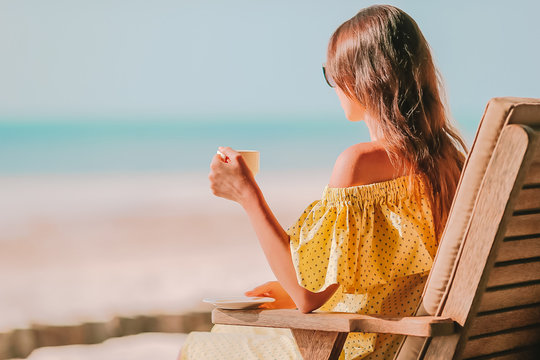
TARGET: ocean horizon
(67,146)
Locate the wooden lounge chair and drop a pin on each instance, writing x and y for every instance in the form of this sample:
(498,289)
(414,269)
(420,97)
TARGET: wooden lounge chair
(482,297)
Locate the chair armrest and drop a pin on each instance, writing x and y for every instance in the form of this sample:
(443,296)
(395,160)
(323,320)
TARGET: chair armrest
(425,326)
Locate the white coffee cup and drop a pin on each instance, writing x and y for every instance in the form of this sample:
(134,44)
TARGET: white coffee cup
(251,157)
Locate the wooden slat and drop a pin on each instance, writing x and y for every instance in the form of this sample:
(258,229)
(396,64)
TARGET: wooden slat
(533,176)
(523,225)
(526,353)
(528,199)
(501,183)
(519,249)
(23,342)
(319,345)
(501,342)
(442,347)
(516,296)
(498,321)
(341,322)
(514,274)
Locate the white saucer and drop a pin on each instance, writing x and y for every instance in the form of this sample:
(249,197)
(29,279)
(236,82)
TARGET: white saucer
(238,302)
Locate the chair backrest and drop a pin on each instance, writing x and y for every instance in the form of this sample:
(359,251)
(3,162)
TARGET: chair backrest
(498,189)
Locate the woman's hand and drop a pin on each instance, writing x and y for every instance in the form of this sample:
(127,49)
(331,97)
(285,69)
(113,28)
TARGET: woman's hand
(231,178)
(274,290)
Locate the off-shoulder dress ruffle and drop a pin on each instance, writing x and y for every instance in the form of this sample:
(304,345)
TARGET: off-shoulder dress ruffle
(363,236)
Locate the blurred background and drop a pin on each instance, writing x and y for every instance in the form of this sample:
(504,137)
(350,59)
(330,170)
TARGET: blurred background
(110,113)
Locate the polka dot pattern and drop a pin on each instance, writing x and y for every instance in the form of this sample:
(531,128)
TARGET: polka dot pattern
(377,241)
(363,236)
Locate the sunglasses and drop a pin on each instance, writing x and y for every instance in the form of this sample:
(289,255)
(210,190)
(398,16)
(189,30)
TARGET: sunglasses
(328,78)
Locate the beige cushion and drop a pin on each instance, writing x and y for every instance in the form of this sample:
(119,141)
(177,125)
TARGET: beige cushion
(498,113)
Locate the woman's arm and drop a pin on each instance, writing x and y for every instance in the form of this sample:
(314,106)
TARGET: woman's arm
(275,244)
(234,181)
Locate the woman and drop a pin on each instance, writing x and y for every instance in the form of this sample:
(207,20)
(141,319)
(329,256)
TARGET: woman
(368,244)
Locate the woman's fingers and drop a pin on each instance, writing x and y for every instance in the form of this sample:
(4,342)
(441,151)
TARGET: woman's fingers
(216,162)
(257,293)
(231,179)
(230,153)
(234,158)
(261,290)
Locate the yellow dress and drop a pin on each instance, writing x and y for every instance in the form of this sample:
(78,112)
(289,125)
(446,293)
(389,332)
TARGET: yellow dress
(377,241)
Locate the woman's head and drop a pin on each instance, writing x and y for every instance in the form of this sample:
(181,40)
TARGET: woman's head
(380,60)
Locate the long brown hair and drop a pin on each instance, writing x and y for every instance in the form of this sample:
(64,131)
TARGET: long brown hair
(380,58)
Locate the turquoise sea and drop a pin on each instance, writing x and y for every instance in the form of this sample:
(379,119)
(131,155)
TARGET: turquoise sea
(119,146)
(173,145)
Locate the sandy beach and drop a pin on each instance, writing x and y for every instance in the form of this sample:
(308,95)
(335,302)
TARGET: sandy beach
(88,247)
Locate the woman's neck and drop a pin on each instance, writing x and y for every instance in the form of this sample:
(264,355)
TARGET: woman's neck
(375,132)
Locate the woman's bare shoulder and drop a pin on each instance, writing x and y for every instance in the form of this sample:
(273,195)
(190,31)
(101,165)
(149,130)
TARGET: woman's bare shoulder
(360,164)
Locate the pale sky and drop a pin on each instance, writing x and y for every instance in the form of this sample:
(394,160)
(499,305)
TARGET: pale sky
(163,58)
